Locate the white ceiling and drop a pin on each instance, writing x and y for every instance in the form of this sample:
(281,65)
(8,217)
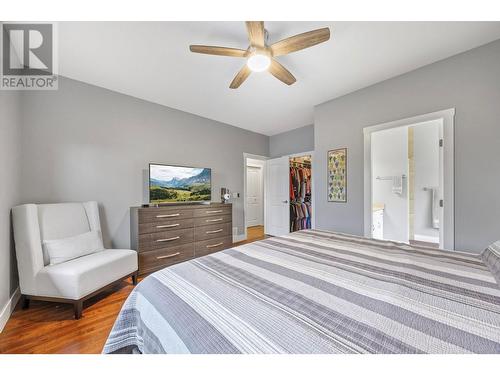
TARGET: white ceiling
(151,61)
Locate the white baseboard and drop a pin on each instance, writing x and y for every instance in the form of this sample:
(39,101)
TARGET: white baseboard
(239,237)
(9,308)
(423,238)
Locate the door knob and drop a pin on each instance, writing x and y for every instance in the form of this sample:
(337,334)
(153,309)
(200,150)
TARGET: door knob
(285,201)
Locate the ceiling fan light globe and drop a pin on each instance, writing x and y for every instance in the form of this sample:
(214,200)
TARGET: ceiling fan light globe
(258,62)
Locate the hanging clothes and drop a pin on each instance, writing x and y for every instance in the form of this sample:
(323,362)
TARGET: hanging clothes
(300,195)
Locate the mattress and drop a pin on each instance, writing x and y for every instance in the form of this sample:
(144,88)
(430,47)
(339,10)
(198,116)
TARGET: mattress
(315,292)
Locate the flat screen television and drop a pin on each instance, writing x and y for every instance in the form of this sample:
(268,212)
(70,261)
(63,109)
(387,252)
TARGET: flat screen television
(174,184)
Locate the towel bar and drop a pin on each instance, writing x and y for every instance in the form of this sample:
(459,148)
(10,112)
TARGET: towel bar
(389,177)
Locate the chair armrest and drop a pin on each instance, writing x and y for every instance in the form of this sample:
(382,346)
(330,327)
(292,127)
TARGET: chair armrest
(28,244)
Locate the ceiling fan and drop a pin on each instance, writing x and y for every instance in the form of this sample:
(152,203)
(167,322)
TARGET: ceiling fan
(261,56)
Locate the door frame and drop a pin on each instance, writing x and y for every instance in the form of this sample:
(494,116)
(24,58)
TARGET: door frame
(264,171)
(447,117)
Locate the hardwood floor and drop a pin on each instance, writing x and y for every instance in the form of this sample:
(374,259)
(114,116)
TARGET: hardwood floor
(50,327)
(255,233)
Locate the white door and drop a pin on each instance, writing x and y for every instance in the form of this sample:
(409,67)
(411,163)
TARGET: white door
(277,195)
(255,204)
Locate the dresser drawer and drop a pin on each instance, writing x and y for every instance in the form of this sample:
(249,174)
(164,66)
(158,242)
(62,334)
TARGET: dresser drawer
(165,225)
(165,239)
(170,234)
(212,211)
(160,258)
(211,246)
(210,220)
(156,214)
(208,232)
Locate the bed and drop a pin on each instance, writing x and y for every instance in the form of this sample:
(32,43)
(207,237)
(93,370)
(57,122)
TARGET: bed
(316,292)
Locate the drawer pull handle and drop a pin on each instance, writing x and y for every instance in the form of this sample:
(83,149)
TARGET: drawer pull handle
(168,256)
(212,220)
(214,212)
(213,231)
(217,244)
(169,215)
(167,226)
(168,239)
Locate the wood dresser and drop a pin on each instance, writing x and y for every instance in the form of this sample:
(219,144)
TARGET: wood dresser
(167,235)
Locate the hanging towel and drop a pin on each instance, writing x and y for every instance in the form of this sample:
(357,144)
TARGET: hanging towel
(397,185)
(435,207)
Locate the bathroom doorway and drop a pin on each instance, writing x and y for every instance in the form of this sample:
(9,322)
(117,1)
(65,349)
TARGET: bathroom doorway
(408,181)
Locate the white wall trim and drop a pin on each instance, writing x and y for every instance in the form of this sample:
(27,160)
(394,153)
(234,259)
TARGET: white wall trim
(239,238)
(9,308)
(447,116)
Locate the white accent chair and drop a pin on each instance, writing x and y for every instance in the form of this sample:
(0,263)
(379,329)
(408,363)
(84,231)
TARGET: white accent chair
(75,280)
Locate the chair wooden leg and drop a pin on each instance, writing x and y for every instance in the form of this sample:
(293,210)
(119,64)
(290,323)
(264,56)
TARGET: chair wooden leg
(25,302)
(134,277)
(78,307)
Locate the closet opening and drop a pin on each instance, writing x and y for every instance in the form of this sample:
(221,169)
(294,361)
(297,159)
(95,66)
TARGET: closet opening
(300,174)
(289,186)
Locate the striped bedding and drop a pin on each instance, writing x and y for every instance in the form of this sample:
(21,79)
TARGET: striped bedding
(315,292)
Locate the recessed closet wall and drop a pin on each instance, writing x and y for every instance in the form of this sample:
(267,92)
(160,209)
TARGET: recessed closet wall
(292,142)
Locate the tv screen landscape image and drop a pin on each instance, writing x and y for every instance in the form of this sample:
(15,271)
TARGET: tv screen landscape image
(172,184)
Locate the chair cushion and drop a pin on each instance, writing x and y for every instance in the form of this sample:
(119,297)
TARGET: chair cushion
(60,251)
(79,277)
(61,220)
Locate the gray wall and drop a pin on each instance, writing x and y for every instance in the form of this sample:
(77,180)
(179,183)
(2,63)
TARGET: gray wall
(292,142)
(10,139)
(470,82)
(83,142)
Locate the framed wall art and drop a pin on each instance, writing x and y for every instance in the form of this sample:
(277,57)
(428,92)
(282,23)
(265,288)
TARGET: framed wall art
(337,175)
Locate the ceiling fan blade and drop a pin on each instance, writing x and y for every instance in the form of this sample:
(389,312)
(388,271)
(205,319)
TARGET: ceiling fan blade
(240,77)
(255,31)
(221,51)
(280,72)
(300,41)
